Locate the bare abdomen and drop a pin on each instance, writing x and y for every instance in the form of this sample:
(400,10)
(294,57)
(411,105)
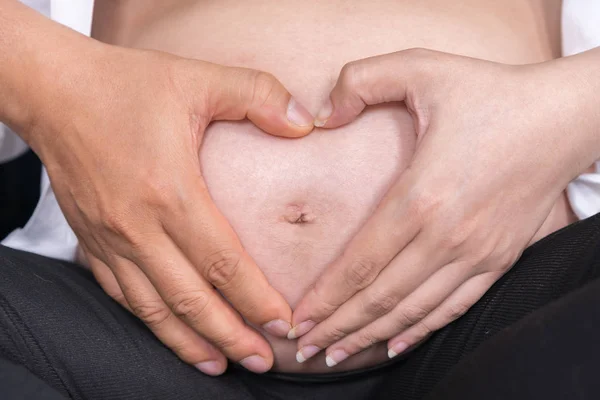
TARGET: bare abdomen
(296,203)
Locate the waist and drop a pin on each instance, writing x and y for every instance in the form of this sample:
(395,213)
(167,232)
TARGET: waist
(305,43)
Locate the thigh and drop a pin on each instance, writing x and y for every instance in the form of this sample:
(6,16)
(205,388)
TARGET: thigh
(553,353)
(18,383)
(550,269)
(59,324)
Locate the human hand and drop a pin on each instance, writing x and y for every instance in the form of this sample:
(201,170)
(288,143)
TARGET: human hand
(496,146)
(120,135)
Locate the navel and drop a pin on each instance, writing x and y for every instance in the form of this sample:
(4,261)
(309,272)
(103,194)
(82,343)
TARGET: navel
(298,214)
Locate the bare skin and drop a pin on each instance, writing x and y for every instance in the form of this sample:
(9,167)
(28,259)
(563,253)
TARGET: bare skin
(533,127)
(296,204)
(119,132)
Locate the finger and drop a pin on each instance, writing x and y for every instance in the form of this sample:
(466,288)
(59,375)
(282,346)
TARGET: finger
(409,270)
(374,80)
(411,311)
(106,279)
(145,303)
(214,249)
(238,93)
(391,228)
(103,275)
(455,306)
(194,300)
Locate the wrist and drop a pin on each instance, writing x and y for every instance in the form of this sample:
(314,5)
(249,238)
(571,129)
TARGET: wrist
(582,75)
(573,89)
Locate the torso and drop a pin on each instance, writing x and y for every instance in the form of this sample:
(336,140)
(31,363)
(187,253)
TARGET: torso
(336,177)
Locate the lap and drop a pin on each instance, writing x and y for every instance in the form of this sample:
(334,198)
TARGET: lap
(547,271)
(58,323)
(550,354)
(18,383)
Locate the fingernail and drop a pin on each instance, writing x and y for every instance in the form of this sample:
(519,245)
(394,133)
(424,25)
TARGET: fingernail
(255,363)
(209,367)
(306,352)
(297,114)
(277,327)
(335,357)
(300,329)
(396,349)
(323,114)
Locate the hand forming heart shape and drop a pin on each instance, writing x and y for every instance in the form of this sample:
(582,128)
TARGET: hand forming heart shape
(460,215)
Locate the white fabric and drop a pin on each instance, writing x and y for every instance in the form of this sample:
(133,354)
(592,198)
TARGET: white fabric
(11,146)
(48,233)
(581,32)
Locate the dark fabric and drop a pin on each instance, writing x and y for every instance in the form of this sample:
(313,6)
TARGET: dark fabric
(19,191)
(17,383)
(552,353)
(56,321)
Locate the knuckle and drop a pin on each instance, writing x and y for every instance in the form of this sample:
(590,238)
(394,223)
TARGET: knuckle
(119,297)
(153,314)
(506,259)
(360,272)
(186,350)
(117,225)
(324,306)
(482,253)
(335,334)
(352,74)
(367,339)
(190,306)
(425,204)
(456,310)
(504,265)
(225,342)
(121,234)
(456,238)
(466,232)
(493,257)
(221,267)
(265,85)
(411,315)
(159,193)
(421,331)
(380,303)
(427,61)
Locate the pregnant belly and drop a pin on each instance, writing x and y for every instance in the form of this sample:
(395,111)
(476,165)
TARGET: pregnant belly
(296,203)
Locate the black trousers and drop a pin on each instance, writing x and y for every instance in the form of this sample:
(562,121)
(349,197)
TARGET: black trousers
(534,335)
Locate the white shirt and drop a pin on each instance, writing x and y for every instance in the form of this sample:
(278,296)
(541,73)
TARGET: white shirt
(48,233)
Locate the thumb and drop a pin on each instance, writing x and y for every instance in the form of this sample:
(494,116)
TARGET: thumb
(374,80)
(238,93)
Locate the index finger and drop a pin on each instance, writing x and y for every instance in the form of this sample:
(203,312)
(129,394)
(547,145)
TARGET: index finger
(391,228)
(379,79)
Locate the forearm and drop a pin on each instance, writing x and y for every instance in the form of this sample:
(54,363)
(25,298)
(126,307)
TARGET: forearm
(33,71)
(577,91)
